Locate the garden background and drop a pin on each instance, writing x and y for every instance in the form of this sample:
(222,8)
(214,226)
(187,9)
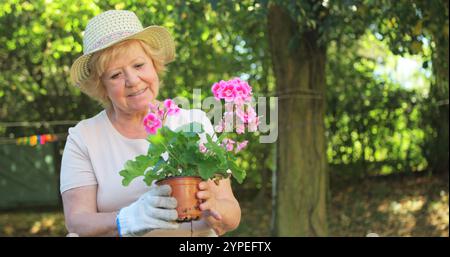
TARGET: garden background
(362,91)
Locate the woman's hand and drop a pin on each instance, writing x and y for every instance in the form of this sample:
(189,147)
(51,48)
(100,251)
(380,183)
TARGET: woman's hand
(220,208)
(155,209)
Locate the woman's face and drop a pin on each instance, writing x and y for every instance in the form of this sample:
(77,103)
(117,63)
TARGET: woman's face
(131,80)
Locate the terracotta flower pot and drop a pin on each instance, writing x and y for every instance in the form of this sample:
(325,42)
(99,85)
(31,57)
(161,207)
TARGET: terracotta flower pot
(184,189)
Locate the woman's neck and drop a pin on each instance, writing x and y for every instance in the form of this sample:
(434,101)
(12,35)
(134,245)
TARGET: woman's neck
(129,125)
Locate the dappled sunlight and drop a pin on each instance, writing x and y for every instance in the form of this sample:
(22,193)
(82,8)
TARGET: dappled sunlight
(402,213)
(45,224)
(439,214)
(404,206)
(32,224)
(8,230)
(416,206)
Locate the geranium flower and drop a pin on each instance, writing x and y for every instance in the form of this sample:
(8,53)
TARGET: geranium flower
(152,123)
(216,89)
(220,127)
(171,107)
(228,93)
(241,145)
(228,144)
(202,148)
(246,116)
(243,90)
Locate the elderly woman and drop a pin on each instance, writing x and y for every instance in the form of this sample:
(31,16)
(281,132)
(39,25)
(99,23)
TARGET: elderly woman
(120,68)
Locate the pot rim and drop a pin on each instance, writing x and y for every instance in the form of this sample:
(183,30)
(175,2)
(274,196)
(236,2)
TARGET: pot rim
(177,177)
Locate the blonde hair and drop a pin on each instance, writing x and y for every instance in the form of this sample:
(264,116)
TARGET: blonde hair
(93,86)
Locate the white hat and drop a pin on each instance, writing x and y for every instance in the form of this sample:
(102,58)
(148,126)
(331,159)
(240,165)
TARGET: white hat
(112,27)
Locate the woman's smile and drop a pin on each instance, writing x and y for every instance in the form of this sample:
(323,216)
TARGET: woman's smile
(137,93)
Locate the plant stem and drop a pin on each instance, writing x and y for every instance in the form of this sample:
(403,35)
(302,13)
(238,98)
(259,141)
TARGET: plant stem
(170,153)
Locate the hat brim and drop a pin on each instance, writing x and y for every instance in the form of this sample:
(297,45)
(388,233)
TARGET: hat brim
(155,36)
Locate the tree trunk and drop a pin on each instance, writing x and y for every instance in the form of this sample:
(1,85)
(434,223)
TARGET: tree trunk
(302,179)
(439,92)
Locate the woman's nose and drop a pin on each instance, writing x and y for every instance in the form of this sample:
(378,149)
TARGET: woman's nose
(131,78)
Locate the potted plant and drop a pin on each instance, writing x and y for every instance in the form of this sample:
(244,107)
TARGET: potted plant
(180,159)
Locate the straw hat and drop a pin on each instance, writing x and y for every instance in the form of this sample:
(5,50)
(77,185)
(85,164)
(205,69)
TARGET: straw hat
(112,27)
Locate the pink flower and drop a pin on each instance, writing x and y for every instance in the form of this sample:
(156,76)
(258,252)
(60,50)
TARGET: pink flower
(153,107)
(228,118)
(228,144)
(220,127)
(239,101)
(241,145)
(217,90)
(228,93)
(251,115)
(152,123)
(243,90)
(229,107)
(253,124)
(160,114)
(246,116)
(240,128)
(202,148)
(171,107)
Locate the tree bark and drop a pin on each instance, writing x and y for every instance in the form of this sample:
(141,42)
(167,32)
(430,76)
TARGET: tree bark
(439,91)
(442,121)
(302,178)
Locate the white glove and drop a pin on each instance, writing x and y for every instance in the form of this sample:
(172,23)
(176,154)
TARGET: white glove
(155,209)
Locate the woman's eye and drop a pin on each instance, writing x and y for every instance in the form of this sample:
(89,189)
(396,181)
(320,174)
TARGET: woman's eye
(115,76)
(139,65)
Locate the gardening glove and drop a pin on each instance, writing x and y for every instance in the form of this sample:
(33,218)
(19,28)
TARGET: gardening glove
(155,209)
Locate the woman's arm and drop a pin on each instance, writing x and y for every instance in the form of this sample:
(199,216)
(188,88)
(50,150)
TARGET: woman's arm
(82,218)
(221,209)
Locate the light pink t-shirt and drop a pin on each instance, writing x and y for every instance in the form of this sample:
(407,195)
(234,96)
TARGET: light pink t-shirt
(95,153)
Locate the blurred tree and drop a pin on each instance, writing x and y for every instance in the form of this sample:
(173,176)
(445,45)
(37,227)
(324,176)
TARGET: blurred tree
(299,67)
(373,122)
(299,33)
(406,27)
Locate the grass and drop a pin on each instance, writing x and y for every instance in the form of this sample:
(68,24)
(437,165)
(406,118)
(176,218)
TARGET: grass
(387,206)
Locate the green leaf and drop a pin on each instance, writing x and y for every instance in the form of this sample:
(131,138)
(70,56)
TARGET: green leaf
(219,151)
(148,179)
(153,174)
(155,149)
(156,139)
(207,168)
(221,137)
(238,173)
(187,157)
(159,165)
(168,134)
(135,168)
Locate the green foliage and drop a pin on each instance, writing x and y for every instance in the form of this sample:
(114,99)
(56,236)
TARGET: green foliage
(372,121)
(406,25)
(135,168)
(183,157)
(42,39)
